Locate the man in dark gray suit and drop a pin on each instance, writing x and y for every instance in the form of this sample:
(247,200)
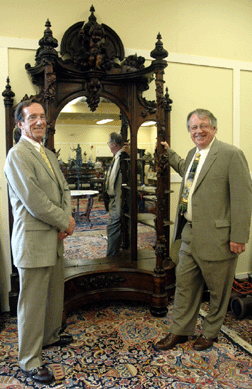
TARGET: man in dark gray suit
(213,222)
(41,207)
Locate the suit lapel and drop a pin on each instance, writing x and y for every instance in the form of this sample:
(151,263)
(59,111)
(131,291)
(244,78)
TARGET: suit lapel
(208,163)
(56,177)
(187,163)
(52,162)
(39,158)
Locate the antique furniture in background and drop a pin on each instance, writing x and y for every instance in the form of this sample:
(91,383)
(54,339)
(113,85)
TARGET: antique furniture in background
(92,64)
(82,194)
(82,180)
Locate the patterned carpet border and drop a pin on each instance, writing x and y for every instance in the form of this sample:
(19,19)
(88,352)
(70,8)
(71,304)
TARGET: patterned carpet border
(113,348)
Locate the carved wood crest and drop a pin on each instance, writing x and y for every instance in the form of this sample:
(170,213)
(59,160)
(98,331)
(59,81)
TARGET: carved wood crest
(90,52)
(92,46)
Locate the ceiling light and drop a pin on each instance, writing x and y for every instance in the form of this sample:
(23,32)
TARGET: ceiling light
(150,123)
(103,121)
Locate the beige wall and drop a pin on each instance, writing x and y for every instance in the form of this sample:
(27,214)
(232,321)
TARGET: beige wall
(217,28)
(93,140)
(246,117)
(210,66)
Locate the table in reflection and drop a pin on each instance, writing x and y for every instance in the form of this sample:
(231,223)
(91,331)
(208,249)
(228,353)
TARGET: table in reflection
(81,194)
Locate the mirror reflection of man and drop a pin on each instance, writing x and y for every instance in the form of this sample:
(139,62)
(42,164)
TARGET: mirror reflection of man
(113,193)
(41,207)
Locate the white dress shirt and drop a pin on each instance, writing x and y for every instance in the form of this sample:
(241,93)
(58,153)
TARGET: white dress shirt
(203,154)
(33,142)
(113,174)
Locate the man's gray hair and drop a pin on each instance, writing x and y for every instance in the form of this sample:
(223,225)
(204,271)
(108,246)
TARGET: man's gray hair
(202,113)
(117,138)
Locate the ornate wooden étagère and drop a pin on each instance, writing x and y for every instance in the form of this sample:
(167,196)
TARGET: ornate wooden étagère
(92,63)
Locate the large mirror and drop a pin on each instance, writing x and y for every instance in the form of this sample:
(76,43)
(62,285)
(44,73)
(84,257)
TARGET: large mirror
(81,136)
(80,142)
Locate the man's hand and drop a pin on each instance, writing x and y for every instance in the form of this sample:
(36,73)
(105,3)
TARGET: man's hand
(126,147)
(237,248)
(61,236)
(71,226)
(165,144)
(69,231)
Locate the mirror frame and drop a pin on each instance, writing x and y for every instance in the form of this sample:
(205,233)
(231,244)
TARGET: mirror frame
(104,72)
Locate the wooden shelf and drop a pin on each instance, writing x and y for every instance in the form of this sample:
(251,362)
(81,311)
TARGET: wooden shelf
(152,198)
(147,189)
(146,218)
(168,223)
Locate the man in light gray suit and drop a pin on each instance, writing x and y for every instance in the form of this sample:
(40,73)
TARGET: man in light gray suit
(213,223)
(41,207)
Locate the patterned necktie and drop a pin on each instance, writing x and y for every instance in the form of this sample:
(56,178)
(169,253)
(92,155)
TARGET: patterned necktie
(43,154)
(188,184)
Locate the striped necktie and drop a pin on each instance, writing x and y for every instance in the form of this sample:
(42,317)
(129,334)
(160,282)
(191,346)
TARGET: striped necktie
(43,154)
(188,184)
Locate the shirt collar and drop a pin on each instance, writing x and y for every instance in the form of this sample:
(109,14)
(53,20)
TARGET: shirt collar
(206,149)
(118,154)
(33,142)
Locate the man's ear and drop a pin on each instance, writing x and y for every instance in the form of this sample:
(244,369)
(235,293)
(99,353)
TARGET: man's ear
(20,125)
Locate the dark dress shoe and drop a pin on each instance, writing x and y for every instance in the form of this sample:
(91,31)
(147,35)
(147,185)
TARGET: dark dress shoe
(170,341)
(40,374)
(203,343)
(64,340)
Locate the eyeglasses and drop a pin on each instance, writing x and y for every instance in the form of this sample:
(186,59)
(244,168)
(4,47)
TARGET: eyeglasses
(110,142)
(201,127)
(33,118)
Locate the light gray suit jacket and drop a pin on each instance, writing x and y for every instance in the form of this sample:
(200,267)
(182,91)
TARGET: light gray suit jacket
(221,202)
(41,205)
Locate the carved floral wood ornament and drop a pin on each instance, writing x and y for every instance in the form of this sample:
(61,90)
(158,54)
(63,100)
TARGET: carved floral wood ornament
(92,63)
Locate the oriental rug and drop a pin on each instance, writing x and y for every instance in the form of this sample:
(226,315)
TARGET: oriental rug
(90,241)
(113,348)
